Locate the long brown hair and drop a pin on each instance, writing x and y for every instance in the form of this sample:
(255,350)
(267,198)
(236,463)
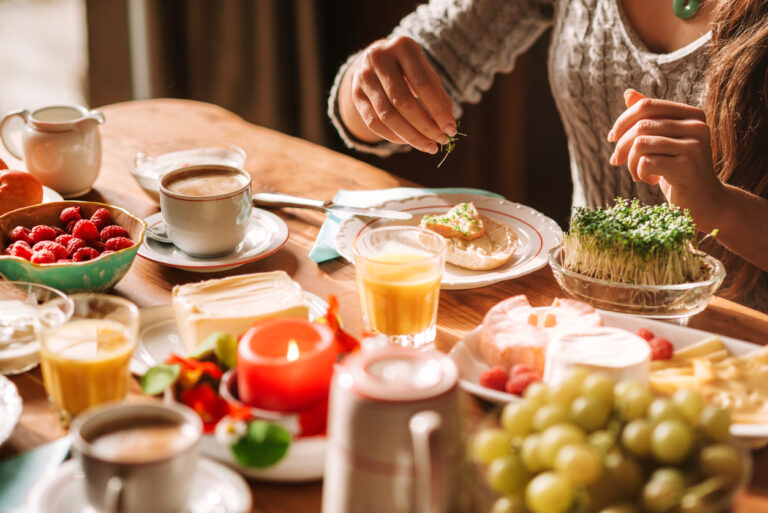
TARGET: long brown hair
(736,105)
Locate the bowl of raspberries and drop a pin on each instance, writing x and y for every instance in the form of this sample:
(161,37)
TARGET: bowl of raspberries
(72,246)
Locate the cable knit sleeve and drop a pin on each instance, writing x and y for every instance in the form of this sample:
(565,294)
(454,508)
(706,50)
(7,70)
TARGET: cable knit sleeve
(467,42)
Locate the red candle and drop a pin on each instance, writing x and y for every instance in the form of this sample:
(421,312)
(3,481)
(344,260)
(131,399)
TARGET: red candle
(285,364)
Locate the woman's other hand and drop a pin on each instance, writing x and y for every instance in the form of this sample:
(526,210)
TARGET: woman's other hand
(668,144)
(391,92)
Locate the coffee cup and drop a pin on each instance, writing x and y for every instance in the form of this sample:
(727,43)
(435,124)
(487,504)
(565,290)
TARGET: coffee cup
(138,458)
(206,208)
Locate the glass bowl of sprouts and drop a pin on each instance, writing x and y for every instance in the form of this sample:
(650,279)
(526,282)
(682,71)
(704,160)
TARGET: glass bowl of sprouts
(636,259)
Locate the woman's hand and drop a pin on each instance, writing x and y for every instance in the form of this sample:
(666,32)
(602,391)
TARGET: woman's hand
(391,92)
(668,144)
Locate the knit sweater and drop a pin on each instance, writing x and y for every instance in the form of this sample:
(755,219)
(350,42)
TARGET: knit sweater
(594,56)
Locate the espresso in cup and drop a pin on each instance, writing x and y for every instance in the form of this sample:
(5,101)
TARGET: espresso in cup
(206,208)
(138,458)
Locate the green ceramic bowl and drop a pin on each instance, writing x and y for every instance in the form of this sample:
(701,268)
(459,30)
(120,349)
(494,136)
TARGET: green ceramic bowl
(95,275)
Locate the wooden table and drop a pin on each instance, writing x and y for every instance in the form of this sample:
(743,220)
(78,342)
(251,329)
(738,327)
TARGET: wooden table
(286,164)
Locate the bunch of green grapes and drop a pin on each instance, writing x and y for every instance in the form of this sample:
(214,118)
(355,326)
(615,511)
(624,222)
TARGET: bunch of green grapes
(589,445)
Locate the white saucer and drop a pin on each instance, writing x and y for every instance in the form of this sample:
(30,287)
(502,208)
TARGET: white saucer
(216,489)
(10,408)
(49,195)
(266,234)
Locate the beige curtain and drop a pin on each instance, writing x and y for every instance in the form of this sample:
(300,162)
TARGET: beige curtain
(259,58)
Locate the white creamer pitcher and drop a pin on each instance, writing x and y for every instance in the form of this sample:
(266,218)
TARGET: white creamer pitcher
(61,146)
(393,434)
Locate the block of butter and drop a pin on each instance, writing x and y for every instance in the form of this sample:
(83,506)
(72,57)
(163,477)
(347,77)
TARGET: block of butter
(233,304)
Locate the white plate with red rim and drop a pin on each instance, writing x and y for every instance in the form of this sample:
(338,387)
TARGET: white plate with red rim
(536,233)
(159,337)
(466,354)
(265,235)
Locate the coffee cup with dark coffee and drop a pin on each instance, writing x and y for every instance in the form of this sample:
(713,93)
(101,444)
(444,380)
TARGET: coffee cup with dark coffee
(138,458)
(206,208)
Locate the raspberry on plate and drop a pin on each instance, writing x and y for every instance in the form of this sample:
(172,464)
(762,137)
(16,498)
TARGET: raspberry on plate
(21,249)
(494,378)
(118,243)
(519,382)
(111,231)
(20,233)
(69,214)
(44,256)
(56,248)
(41,232)
(645,333)
(86,230)
(83,254)
(74,244)
(97,245)
(661,348)
(101,218)
(71,226)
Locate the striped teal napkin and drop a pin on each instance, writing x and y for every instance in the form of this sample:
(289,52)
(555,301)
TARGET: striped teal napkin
(325,244)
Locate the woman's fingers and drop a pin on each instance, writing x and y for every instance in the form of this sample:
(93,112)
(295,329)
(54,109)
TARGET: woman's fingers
(387,114)
(425,84)
(671,128)
(370,118)
(400,97)
(650,168)
(647,108)
(656,146)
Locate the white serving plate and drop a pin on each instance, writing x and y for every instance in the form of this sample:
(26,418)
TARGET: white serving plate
(471,363)
(536,232)
(49,195)
(158,337)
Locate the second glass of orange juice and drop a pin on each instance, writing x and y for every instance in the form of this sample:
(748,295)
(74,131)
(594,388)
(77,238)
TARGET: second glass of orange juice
(399,269)
(85,350)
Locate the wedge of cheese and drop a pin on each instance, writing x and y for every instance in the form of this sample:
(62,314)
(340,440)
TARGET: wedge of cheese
(233,304)
(620,354)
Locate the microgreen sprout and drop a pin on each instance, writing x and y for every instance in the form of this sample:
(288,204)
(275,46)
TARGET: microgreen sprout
(448,148)
(633,243)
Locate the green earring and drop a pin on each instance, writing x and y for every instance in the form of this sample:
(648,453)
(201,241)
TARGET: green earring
(685,9)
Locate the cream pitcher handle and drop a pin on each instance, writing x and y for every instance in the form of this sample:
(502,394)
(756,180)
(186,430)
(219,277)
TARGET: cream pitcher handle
(112,495)
(429,480)
(5,133)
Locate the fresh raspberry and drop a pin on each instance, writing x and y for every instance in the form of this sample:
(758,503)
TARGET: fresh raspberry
(118,243)
(69,214)
(83,254)
(85,230)
(519,382)
(58,231)
(56,248)
(494,378)
(74,244)
(101,218)
(646,334)
(21,249)
(41,232)
(111,231)
(97,245)
(64,239)
(661,348)
(20,233)
(8,248)
(44,256)
(71,226)
(106,252)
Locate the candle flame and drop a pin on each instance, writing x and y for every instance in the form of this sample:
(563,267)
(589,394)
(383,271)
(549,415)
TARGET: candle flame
(293,351)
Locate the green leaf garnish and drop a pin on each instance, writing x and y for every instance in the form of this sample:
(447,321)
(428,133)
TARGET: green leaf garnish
(226,350)
(448,148)
(158,378)
(262,445)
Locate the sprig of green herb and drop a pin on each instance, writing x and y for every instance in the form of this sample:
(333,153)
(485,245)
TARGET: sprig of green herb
(448,148)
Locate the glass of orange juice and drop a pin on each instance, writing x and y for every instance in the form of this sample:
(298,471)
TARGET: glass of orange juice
(85,350)
(399,269)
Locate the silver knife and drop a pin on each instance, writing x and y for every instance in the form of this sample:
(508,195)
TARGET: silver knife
(268,199)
